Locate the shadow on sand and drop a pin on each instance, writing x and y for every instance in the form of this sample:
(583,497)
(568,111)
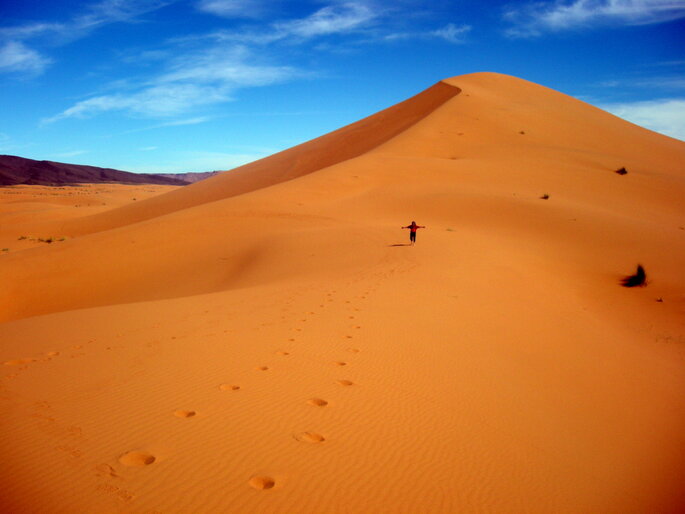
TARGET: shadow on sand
(401,244)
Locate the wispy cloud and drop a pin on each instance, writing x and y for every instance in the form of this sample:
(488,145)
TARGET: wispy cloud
(32,30)
(234,8)
(452,33)
(332,19)
(537,18)
(666,116)
(195,78)
(17,57)
(342,18)
(174,123)
(66,155)
(189,121)
(659,82)
(191,80)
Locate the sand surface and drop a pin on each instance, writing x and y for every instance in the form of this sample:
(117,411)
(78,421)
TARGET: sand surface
(266,340)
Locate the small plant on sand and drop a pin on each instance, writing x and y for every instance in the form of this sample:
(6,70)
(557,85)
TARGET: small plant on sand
(622,171)
(638,279)
(544,197)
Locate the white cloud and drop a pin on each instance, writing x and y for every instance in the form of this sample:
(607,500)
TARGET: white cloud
(189,121)
(220,65)
(31,30)
(153,101)
(17,57)
(72,153)
(452,33)
(148,148)
(233,8)
(93,16)
(666,116)
(673,82)
(340,18)
(175,123)
(332,19)
(537,18)
(190,81)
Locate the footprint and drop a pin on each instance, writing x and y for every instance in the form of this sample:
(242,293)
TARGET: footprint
(310,437)
(281,352)
(348,337)
(353,350)
(18,362)
(317,402)
(340,363)
(52,354)
(184,413)
(137,458)
(262,368)
(229,387)
(106,469)
(345,382)
(262,482)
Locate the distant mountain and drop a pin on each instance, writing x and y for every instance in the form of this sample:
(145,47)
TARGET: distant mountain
(18,170)
(189,177)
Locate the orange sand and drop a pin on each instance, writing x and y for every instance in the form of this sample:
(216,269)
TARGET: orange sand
(265,341)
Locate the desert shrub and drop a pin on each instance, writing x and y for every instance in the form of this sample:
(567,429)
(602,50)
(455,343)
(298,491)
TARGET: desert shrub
(622,171)
(637,279)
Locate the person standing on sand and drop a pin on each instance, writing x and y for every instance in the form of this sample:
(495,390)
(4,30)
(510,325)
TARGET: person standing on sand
(412,231)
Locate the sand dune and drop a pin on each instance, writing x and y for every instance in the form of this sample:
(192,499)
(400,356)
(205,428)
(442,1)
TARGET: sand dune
(265,340)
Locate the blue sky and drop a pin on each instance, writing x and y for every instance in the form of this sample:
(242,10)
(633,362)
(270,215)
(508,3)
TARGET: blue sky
(198,85)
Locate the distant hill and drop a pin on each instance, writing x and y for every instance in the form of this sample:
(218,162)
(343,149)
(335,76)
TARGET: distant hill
(18,170)
(189,177)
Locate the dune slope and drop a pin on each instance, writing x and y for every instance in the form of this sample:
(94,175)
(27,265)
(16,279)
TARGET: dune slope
(266,340)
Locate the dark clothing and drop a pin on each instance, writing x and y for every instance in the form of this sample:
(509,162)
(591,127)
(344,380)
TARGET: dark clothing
(412,231)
